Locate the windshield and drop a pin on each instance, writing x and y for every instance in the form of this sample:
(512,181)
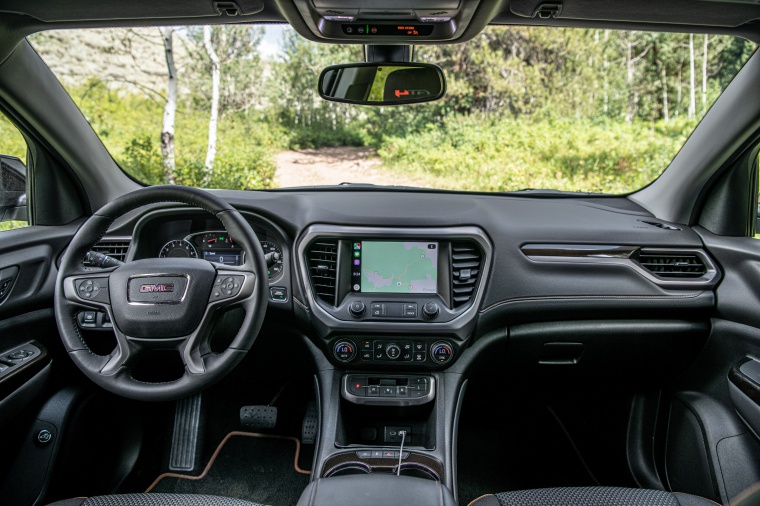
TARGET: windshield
(237,107)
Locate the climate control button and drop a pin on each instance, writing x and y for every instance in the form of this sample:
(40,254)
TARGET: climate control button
(345,351)
(393,351)
(442,352)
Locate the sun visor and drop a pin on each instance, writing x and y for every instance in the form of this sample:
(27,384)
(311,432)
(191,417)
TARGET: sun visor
(686,12)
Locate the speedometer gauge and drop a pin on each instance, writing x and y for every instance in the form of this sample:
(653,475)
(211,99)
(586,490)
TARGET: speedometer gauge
(178,249)
(273,256)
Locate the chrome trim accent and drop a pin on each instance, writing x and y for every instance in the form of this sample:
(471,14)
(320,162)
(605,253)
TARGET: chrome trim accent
(170,302)
(445,234)
(707,280)
(388,401)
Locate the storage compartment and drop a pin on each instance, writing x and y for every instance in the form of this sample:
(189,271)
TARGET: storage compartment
(363,426)
(402,490)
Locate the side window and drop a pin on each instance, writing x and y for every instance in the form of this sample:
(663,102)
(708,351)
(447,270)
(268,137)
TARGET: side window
(13,198)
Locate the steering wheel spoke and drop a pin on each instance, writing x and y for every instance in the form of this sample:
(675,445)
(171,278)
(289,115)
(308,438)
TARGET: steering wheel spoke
(125,355)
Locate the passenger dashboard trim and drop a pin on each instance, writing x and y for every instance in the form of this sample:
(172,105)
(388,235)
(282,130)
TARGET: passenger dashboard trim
(622,256)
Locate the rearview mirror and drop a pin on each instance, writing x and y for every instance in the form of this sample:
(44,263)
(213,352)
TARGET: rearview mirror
(382,83)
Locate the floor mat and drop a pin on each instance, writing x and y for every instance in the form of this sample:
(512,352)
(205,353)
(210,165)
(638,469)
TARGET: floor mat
(257,467)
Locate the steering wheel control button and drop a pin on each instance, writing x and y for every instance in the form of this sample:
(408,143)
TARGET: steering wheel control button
(227,286)
(357,309)
(345,351)
(278,293)
(430,310)
(44,437)
(442,352)
(95,289)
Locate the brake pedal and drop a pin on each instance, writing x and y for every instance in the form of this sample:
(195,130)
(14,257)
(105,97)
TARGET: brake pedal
(310,424)
(258,417)
(187,417)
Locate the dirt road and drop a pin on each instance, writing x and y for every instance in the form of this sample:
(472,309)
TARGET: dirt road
(331,166)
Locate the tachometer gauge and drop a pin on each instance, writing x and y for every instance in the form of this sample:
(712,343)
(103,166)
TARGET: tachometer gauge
(178,249)
(273,256)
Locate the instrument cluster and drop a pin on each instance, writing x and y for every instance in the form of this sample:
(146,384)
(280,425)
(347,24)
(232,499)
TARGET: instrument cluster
(219,247)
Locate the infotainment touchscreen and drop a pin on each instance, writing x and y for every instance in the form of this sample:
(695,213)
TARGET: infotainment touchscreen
(394,266)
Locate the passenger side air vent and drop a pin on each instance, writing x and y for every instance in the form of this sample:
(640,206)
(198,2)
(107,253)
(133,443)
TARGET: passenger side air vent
(672,264)
(466,260)
(113,248)
(322,258)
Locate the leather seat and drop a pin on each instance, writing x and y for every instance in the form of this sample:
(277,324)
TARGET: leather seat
(590,496)
(154,500)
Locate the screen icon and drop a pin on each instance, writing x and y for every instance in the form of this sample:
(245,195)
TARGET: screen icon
(357,245)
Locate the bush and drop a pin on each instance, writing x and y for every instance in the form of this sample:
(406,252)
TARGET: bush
(495,154)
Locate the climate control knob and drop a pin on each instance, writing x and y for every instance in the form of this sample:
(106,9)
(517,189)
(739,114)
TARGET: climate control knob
(357,308)
(345,351)
(441,352)
(430,310)
(393,351)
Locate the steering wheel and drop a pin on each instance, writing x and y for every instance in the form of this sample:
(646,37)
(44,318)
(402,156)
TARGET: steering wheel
(160,303)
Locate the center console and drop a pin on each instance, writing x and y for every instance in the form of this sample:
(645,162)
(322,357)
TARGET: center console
(389,298)
(392,310)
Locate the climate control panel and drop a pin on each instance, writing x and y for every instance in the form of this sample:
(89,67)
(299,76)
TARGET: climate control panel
(384,351)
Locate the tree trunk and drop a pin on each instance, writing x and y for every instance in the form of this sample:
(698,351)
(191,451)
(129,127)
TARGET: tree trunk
(170,108)
(665,109)
(629,64)
(692,91)
(704,73)
(216,72)
(680,89)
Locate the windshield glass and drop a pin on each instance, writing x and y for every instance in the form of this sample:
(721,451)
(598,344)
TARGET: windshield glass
(237,107)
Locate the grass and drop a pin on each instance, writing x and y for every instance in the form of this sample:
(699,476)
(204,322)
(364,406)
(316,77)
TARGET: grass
(504,155)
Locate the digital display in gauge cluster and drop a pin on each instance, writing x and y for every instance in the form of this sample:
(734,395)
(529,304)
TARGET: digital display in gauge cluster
(220,248)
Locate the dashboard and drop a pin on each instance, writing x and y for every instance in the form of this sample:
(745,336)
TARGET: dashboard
(379,280)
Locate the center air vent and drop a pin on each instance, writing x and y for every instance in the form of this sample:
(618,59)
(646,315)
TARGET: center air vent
(113,248)
(466,260)
(322,259)
(673,264)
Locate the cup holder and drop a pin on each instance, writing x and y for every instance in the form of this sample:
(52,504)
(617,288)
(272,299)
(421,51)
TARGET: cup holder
(348,469)
(418,471)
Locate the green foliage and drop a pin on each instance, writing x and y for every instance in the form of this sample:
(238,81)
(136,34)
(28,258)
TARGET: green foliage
(11,141)
(490,154)
(572,109)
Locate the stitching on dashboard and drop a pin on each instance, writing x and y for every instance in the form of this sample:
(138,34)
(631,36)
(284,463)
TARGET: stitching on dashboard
(592,297)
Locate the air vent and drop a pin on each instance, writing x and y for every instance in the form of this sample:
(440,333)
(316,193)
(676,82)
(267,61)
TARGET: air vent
(672,264)
(322,258)
(657,224)
(466,260)
(112,248)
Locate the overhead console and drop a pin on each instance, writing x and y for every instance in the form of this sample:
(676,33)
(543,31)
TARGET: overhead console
(389,21)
